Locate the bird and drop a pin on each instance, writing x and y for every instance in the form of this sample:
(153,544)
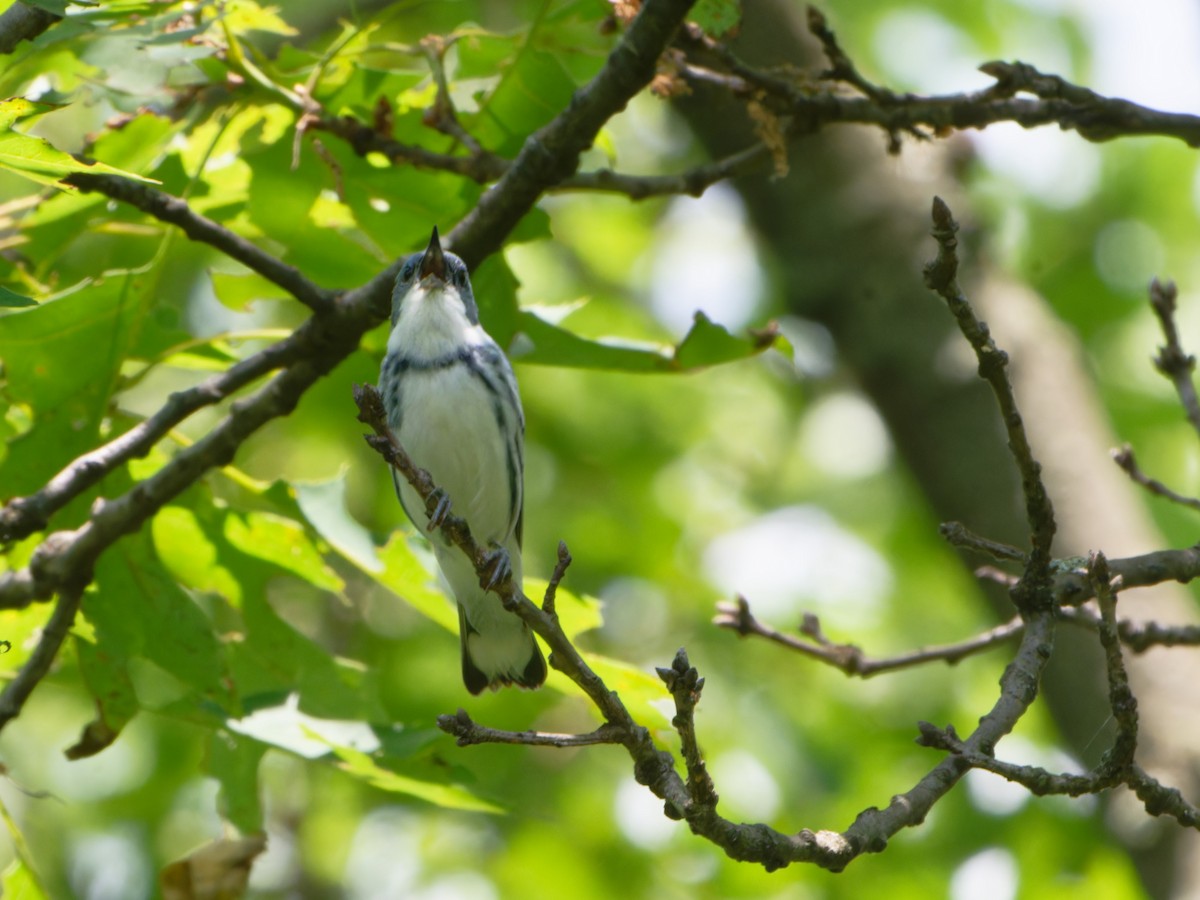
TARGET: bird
(451,400)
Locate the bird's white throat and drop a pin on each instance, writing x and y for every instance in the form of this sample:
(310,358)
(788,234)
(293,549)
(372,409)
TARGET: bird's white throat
(432,324)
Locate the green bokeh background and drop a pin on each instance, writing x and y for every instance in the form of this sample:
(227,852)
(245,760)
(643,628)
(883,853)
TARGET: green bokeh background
(638,473)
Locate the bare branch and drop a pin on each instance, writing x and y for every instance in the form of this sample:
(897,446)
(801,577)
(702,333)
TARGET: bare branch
(167,208)
(443,116)
(1124,458)
(1072,587)
(21,22)
(560,571)
(850,658)
(693,182)
(1161,800)
(22,516)
(1172,360)
(941,275)
(1137,636)
(1018,689)
(959,535)
(685,684)
(1120,697)
(17,691)
(467,732)
(552,154)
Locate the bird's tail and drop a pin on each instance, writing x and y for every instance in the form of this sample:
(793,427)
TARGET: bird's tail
(499,656)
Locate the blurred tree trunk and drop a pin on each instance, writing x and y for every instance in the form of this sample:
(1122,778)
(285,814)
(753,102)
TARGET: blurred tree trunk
(849,231)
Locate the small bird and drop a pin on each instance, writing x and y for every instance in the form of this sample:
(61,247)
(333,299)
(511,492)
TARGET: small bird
(452,401)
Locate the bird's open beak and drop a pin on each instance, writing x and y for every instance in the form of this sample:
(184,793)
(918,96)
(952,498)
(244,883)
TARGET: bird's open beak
(434,261)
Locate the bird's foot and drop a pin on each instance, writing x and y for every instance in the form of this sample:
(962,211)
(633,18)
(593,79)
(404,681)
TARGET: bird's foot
(437,507)
(498,567)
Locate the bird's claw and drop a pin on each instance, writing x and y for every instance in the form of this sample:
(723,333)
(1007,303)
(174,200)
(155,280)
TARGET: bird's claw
(498,567)
(437,507)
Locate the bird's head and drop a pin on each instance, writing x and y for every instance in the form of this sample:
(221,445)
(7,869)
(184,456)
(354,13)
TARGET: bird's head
(433,275)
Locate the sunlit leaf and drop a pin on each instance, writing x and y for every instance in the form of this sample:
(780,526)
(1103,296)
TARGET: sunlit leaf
(452,796)
(36,158)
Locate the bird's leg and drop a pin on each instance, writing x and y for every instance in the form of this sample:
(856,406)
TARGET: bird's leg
(437,507)
(499,566)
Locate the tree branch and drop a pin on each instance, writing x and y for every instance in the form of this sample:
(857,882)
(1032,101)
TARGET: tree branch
(1125,458)
(467,732)
(321,343)
(851,659)
(17,691)
(552,153)
(21,22)
(941,276)
(22,516)
(167,208)
(1176,364)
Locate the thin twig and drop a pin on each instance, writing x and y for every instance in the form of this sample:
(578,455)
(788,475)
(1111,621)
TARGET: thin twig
(851,659)
(941,276)
(467,732)
(22,516)
(442,115)
(1172,360)
(959,535)
(692,182)
(167,208)
(1120,697)
(1124,458)
(560,571)
(17,691)
(685,684)
(1137,636)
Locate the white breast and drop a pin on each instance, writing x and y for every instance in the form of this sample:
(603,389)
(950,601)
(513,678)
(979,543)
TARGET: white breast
(450,429)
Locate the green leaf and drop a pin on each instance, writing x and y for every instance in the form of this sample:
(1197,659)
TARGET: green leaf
(138,611)
(18,882)
(282,542)
(20,627)
(36,158)
(240,291)
(324,506)
(709,344)
(705,344)
(12,300)
(718,18)
(106,676)
(405,576)
(85,326)
(530,93)
(452,796)
(233,760)
(18,109)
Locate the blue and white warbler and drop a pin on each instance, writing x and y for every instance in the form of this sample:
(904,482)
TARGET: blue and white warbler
(452,401)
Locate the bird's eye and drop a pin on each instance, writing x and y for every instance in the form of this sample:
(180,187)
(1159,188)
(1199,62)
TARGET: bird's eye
(460,277)
(407,272)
